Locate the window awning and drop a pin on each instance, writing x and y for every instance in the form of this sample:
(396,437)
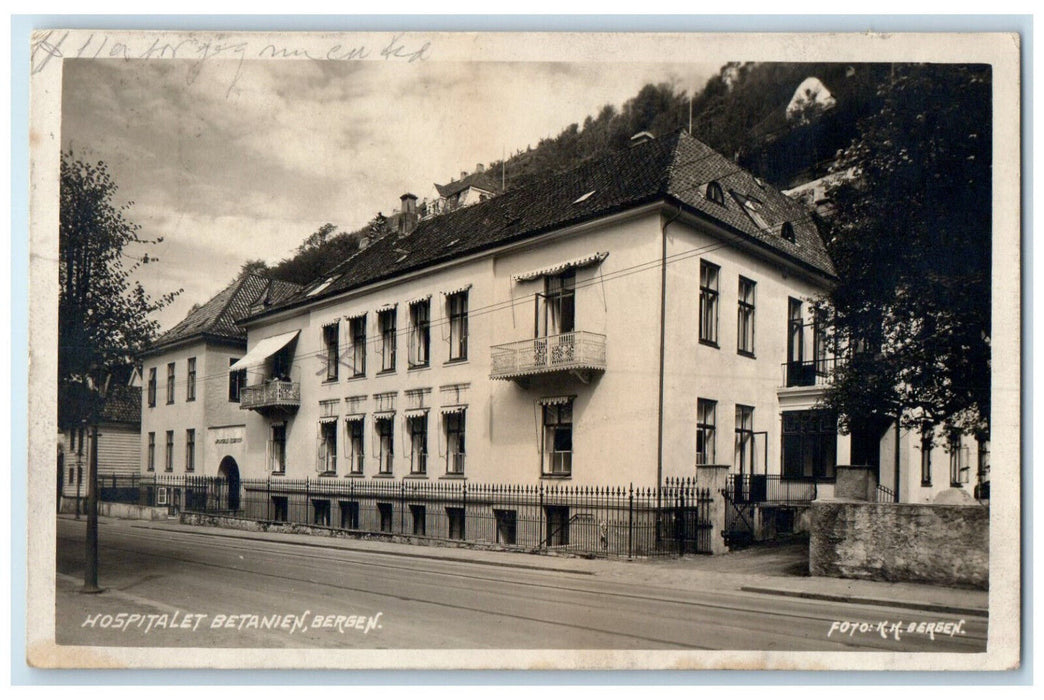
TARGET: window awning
(327,419)
(355,418)
(357,314)
(416,412)
(446,410)
(586,261)
(555,400)
(424,297)
(458,290)
(384,415)
(264,350)
(334,322)
(386,307)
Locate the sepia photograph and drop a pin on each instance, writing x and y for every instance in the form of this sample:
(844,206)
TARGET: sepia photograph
(579,351)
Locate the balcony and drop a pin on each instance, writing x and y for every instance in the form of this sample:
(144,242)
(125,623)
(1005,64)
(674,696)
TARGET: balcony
(579,353)
(806,374)
(271,397)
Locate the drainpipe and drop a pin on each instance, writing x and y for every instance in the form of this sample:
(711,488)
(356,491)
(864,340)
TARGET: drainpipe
(663,333)
(897,462)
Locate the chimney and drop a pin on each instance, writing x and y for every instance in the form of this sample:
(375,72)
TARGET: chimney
(463,174)
(480,168)
(641,137)
(408,215)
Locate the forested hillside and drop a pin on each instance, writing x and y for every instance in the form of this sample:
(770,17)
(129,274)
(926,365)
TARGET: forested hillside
(740,112)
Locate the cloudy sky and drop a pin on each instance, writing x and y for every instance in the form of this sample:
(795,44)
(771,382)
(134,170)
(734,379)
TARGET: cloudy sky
(230,160)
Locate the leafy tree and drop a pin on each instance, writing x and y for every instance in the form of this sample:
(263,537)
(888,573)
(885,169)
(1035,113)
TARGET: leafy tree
(253,267)
(103,316)
(911,240)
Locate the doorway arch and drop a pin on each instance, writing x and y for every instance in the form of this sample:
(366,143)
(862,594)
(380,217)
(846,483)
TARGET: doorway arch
(229,471)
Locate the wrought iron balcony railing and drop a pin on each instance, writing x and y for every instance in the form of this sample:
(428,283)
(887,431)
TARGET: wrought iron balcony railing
(811,373)
(271,395)
(579,350)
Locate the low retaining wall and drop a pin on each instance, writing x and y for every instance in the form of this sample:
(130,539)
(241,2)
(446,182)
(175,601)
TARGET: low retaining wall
(922,543)
(117,510)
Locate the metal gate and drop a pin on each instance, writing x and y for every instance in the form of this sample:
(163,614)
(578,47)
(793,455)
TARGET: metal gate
(690,522)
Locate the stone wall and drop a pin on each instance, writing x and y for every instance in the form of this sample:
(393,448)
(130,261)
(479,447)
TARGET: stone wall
(923,543)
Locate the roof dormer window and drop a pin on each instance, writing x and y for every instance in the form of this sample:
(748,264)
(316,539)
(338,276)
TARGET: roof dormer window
(715,193)
(787,232)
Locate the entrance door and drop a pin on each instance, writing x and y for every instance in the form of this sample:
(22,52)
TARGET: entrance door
(229,471)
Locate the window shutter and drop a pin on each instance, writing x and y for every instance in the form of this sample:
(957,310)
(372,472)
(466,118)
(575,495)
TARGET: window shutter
(320,451)
(441,430)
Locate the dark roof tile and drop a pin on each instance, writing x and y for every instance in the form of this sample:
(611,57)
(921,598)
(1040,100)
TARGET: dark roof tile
(677,167)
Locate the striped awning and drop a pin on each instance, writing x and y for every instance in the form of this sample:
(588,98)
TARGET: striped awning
(386,307)
(413,301)
(458,290)
(355,418)
(556,400)
(353,316)
(263,350)
(328,419)
(587,260)
(445,410)
(334,322)
(416,412)
(383,415)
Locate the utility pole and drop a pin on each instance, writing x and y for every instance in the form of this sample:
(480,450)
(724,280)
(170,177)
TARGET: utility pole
(90,572)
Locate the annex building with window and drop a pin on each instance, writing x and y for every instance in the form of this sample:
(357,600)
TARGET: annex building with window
(190,418)
(621,323)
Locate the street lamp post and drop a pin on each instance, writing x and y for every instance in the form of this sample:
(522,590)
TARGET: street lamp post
(90,573)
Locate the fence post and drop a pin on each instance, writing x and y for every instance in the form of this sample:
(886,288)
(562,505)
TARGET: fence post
(308,498)
(630,521)
(402,507)
(268,495)
(540,516)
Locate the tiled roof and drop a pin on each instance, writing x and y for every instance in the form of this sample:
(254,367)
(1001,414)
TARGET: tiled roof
(122,405)
(676,168)
(482,180)
(217,317)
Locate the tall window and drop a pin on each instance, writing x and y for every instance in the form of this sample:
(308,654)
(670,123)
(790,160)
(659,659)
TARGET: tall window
(386,325)
(190,450)
(333,356)
(819,341)
(795,332)
(151,453)
(809,444)
(169,462)
(454,426)
(958,460)
(458,325)
(190,392)
(420,332)
(709,303)
(560,303)
(417,426)
(558,439)
(277,449)
(152,386)
(357,329)
(327,457)
(170,382)
(706,422)
(354,439)
(236,381)
(745,439)
(745,312)
(927,433)
(385,444)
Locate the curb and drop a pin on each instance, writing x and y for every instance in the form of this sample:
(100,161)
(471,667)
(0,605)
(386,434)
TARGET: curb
(462,560)
(930,607)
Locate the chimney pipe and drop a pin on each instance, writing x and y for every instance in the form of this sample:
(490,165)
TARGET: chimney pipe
(408,214)
(480,168)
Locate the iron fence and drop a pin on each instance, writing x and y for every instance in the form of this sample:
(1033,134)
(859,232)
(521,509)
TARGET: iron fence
(770,489)
(883,494)
(608,520)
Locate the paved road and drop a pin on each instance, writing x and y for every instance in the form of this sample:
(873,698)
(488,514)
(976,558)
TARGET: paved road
(180,582)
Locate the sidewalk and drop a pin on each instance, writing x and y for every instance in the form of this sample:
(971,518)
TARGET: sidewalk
(780,570)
